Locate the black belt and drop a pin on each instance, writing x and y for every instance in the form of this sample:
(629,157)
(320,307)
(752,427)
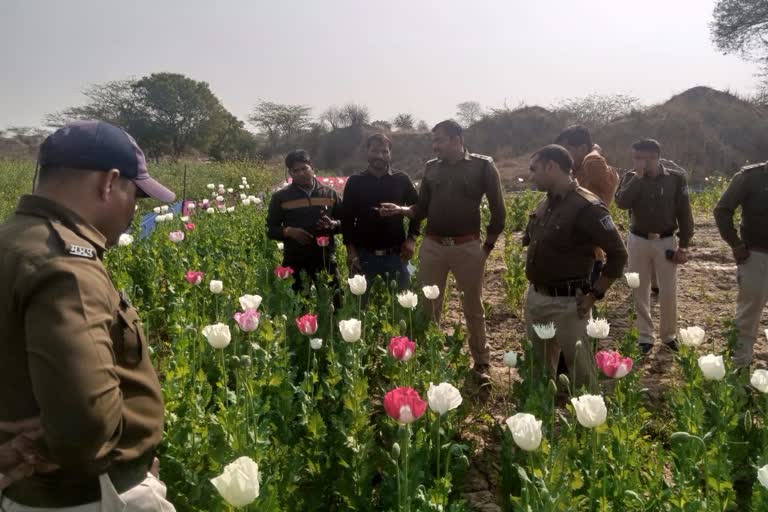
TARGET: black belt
(565,289)
(124,476)
(652,236)
(382,252)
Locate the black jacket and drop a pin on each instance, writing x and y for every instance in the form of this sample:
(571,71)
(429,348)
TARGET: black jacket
(292,207)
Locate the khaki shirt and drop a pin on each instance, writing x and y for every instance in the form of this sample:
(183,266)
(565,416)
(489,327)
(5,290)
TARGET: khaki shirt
(561,236)
(748,189)
(451,193)
(657,204)
(73,351)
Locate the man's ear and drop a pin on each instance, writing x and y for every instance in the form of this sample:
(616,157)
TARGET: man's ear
(108,182)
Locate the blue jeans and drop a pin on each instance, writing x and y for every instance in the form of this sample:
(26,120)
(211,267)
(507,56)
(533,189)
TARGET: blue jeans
(389,266)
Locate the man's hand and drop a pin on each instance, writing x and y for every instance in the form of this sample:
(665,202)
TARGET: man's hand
(407,249)
(19,457)
(299,235)
(680,257)
(740,254)
(391,210)
(325,223)
(584,305)
(353,261)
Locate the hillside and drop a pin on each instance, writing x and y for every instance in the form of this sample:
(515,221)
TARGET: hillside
(704,130)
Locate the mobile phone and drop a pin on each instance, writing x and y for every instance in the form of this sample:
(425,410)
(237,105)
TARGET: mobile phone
(669,253)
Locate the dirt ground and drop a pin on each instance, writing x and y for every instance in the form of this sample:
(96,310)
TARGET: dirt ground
(706,297)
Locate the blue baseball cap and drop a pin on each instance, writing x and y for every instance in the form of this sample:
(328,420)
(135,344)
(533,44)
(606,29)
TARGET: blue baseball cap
(100,146)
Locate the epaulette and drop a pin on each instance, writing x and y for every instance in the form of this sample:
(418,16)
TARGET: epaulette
(481,157)
(676,172)
(72,243)
(589,196)
(432,161)
(748,168)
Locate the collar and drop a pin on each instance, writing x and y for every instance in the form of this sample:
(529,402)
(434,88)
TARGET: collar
(367,172)
(465,157)
(564,190)
(308,192)
(39,206)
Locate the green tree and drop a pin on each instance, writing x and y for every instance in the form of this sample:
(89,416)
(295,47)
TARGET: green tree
(167,113)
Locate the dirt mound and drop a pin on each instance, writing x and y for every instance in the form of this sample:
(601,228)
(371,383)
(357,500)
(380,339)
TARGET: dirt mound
(704,130)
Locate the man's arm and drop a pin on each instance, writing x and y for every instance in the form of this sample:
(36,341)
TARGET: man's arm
(684,214)
(411,198)
(495,197)
(628,191)
(598,178)
(732,198)
(596,222)
(275,218)
(67,317)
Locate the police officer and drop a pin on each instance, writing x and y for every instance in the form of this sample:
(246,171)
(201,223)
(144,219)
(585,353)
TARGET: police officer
(561,236)
(658,204)
(451,191)
(748,189)
(74,351)
(303,214)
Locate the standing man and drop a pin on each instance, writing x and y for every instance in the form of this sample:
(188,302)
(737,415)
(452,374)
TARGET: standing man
(561,236)
(590,167)
(658,204)
(748,189)
(376,245)
(452,189)
(74,351)
(302,215)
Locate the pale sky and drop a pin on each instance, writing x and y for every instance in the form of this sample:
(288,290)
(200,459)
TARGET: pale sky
(414,56)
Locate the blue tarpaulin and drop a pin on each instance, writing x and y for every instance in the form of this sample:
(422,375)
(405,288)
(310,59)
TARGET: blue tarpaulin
(148,222)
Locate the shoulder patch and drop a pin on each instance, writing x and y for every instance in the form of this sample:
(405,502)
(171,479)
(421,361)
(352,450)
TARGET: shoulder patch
(589,196)
(73,244)
(481,157)
(607,223)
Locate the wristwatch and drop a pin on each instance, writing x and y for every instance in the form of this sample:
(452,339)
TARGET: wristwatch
(597,294)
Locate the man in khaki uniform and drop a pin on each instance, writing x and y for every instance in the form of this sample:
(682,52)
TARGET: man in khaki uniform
(451,191)
(748,189)
(74,352)
(658,204)
(561,236)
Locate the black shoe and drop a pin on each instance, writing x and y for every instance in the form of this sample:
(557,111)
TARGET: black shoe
(672,345)
(645,348)
(655,291)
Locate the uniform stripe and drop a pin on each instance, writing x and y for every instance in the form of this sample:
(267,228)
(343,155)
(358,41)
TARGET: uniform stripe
(305,203)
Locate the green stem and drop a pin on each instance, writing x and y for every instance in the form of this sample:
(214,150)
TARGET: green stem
(405,454)
(437,445)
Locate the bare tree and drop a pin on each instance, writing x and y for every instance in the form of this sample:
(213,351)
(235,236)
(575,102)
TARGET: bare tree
(280,122)
(596,110)
(422,126)
(404,121)
(469,112)
(382,125)
(741,27)
(355,115)
(333,116)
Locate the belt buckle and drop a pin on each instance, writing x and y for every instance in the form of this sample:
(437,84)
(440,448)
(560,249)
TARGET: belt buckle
(380,252)
(654,236)
(448,240)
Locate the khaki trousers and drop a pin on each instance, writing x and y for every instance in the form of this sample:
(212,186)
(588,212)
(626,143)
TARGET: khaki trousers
(645,256)
(148,496)
(752,276)
(543,309)
(467,263)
